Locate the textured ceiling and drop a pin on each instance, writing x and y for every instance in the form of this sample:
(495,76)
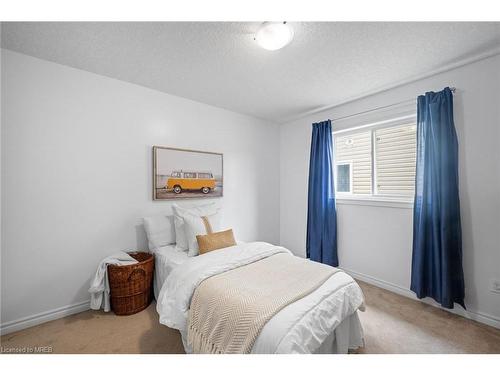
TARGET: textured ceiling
(220,64)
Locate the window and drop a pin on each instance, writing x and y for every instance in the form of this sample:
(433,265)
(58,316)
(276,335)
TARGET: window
(377,161)
(176,174)
(204,175)
(395,160)
(356,149)
(343,176)
(189,175)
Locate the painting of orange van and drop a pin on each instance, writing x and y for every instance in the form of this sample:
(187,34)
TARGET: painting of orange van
(187,174)
(180,181)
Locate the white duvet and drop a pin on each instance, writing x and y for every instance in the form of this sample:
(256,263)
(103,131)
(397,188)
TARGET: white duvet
(301,327)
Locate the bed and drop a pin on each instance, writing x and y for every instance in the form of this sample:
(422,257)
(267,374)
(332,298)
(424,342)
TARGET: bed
(167,258)
(324,321)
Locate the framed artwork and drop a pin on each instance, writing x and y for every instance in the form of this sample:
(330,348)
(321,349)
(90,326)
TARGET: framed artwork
(179,173)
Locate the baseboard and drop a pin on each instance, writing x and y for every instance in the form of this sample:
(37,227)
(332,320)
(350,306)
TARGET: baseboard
(61,312)
(33,320)
(473,315)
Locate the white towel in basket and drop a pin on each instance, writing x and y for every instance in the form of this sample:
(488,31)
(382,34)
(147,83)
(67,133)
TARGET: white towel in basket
(99,287)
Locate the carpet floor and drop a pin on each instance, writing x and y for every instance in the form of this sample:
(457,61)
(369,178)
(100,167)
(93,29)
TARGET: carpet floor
(392,324)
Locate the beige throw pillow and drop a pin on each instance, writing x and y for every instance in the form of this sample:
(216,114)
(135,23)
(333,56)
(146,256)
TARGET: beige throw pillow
(215,241)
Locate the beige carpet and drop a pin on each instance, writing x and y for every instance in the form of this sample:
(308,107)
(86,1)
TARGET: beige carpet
(392,324)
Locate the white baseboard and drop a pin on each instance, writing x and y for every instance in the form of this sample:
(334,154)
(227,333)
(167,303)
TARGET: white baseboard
(33,320)
(473,315)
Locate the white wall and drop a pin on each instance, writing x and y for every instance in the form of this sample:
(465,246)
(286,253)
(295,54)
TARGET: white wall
(76,176)
(375,242)
(76,179)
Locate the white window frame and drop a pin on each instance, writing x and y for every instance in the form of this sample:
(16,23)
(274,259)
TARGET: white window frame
(342,193)
(373,199)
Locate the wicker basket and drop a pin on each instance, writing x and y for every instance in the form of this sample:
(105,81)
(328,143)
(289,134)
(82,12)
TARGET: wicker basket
(131,286)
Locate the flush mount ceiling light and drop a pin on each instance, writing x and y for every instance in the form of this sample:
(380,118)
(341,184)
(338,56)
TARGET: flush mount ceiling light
(274,35)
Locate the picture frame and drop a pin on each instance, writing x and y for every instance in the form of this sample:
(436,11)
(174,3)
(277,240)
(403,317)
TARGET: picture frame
(187,174)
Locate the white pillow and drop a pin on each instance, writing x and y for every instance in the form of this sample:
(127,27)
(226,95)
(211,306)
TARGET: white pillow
(195,225)
(180,212)
(160,231)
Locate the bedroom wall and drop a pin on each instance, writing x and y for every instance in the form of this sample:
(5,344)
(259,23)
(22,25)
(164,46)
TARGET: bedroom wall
(76,177)
(375,241)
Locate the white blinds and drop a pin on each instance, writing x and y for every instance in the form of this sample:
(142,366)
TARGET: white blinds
(395,160)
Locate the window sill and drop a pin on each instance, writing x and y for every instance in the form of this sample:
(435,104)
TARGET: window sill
(375,201)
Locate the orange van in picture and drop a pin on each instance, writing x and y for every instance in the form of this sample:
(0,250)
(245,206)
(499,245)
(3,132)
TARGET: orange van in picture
(180,181)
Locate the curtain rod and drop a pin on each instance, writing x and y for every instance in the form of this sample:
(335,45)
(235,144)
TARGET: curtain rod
(408,101)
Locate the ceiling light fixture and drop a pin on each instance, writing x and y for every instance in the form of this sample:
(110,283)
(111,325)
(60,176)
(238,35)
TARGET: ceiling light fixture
(274,35)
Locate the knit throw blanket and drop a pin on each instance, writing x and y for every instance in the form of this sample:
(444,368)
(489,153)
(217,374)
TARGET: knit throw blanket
(229,310)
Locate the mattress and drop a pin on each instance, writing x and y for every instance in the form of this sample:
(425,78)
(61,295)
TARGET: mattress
(166,259)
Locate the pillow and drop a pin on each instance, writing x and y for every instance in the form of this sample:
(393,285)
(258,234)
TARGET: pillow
(195,225)
(215,241)
(180,234)
(180,212)
(160,231)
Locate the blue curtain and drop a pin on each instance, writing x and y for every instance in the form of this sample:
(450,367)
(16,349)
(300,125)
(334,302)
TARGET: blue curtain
(321,242)
(437,236)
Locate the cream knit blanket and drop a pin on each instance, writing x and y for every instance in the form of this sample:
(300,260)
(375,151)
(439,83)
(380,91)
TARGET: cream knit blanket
(229,310)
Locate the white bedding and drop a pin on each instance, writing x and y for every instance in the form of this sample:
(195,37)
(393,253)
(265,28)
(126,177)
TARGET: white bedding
(314,323)
(167,258)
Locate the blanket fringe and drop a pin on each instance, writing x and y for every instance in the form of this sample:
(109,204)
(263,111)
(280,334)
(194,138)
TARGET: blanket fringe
(199,343)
